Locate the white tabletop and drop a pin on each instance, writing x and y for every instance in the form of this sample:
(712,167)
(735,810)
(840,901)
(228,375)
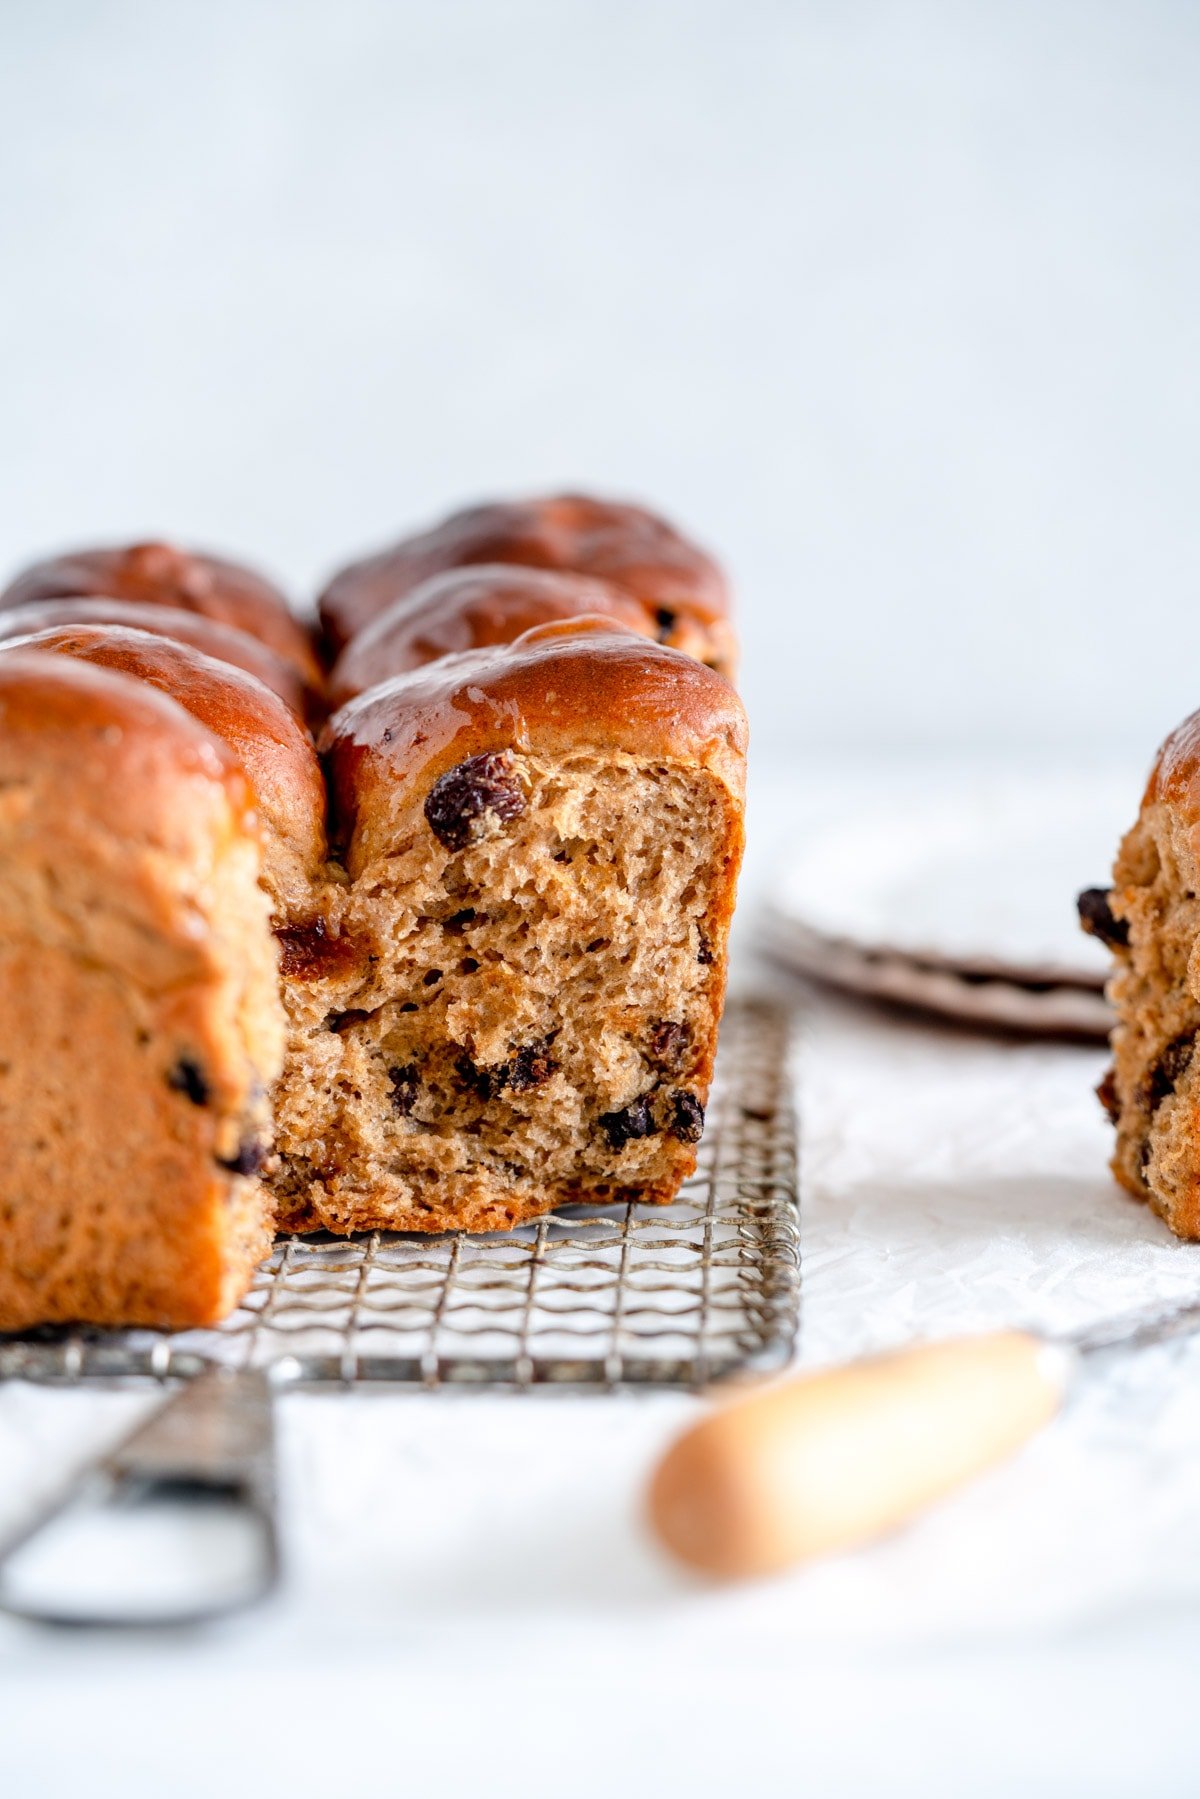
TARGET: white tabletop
(472,1606)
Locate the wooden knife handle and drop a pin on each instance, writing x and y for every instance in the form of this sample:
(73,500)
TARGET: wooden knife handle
(835,1458)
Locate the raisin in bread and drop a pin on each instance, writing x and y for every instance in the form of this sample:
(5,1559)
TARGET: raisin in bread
(1150,919)
(485,942)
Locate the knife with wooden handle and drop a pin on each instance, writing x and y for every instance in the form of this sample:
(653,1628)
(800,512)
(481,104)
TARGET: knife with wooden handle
(833,1459)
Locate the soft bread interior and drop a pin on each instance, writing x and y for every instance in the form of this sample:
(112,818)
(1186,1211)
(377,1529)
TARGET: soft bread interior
(1156,991)
(502,1025)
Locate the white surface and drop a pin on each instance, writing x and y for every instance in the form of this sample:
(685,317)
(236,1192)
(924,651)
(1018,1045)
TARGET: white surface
(472,1606)
(985,879)
(894,303)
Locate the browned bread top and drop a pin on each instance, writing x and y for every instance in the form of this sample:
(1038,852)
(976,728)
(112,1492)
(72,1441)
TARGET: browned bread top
(611,541)
(264,736)
(224,642)
(582,684)
(1175,777)
(159,574)
(49,707)
(470,609)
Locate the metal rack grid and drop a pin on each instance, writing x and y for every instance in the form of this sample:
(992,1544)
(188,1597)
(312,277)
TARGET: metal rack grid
(699,1291)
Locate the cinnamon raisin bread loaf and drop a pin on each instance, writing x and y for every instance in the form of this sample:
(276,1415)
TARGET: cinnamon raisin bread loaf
(160,574)
(224,642)
(477,608)
(474,956)
(681,588)
(1150,919)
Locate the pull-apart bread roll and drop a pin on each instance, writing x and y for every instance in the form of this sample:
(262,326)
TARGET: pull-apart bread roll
(682,590)
(541,843)
(274,750)
(474,609)
(159,574)
(224,642)
(1150,919)
(142,1023)
(464,967)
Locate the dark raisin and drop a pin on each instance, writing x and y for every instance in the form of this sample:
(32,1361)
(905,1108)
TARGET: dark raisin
(532,1066)
(405,1087)
(460,803)
(341,1021)
(687,1118)
(188,1077)
(248,1158)
(1169,1070)
(433,977)
(1106,1093)
(484,1083)
(1096,917)
(457,923)
(664,618)
(669,1044)
(308,951)
(704,953)
(634,1120)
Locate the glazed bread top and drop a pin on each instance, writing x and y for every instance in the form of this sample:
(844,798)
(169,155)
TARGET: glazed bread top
(1175,777)
(52,710)
(578,686)
(470,609)
(263,735)
(634,549)
(453,672)
(159,574)
(223,642)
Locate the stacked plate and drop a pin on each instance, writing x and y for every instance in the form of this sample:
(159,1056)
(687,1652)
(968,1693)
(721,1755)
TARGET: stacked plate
(963,907)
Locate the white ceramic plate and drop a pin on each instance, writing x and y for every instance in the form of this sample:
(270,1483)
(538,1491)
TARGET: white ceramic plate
(1046,1011)
(983,884)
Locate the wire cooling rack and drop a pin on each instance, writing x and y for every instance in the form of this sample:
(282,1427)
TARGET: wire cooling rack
(699,1291)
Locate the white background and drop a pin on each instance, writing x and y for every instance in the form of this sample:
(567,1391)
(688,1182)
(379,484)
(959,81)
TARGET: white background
(894,304)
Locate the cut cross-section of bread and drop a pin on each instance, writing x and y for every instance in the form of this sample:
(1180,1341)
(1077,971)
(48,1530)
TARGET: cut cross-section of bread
(542,845)
(1151,921)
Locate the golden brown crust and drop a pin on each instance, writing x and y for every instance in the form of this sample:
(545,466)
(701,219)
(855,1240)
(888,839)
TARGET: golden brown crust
(160,574)
(225,643)
(141,1012)
(627,545)
(62,707)
(471,609)
(557,689)
(1175,777)
(263,734)
(406,1087)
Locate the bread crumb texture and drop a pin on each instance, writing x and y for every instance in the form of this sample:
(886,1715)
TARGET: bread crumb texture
(522,1004)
